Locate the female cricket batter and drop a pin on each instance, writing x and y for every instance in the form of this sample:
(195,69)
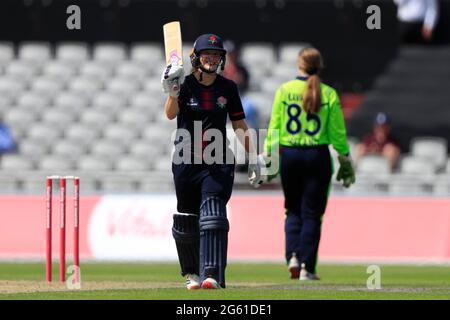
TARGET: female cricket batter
(309,117)
(201,103)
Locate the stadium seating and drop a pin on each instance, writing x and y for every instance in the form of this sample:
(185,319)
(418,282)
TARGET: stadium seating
(96,111)
(431,149)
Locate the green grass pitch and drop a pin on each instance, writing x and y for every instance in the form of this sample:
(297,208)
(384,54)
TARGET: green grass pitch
(259,281)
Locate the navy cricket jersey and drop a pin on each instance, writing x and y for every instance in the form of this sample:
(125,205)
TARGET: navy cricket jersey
(209,104)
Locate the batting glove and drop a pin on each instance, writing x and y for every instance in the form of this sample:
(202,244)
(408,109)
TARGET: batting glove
(171,80)
(254,172)
(346,173)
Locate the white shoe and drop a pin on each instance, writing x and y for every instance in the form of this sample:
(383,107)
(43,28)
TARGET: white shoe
(294,267)
(210,283)
(192,282)
(305,275)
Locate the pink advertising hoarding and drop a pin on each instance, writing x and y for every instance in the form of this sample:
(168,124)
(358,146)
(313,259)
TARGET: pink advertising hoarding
(139,228)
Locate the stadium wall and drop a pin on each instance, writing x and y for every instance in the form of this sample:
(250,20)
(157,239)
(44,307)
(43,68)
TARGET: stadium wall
(113,227)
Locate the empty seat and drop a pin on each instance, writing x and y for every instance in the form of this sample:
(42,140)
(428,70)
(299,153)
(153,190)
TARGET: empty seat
(6,53)
(270,85)
(121,133)
(159,133)
(98,118)
(18,131)
(288,52)
(35,52)
(144,149)
(59,71)
(107,148)
(136,117)
(108,102)
(131,71)
(85,86)
(96,71)
(133,163)
(416,165)
(406,185)
(94,163)
(147,54)
(44,133)
(73,53)
(284,72)
(55,163)
(261,55)
(46,86)
(5,104)
(142,100)
(11,87)
(364,185)
(373,164)
(32,102)
(109,53)
(147,101)
(84,134)
(153,86)
(71,101)
(19,117)
(33,149)
(163,164)
(434,149)
(69,149)
(15,162)
(21,70)
(122,87)
(58,118)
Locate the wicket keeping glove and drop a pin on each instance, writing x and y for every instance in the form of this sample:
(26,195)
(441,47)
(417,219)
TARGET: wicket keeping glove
(272,172)
(171,80)
(346,173)
(254,172)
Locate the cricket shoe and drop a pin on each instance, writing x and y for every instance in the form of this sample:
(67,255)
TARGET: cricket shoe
(305,275)
(192,282)
(294,267)
(210,283)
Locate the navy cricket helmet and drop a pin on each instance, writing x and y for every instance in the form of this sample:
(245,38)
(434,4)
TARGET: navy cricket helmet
(207,42)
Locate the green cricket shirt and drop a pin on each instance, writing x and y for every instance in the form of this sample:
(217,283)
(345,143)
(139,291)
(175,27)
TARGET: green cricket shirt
(298,128)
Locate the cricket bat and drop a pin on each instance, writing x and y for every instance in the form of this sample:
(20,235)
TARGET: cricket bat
(173,44)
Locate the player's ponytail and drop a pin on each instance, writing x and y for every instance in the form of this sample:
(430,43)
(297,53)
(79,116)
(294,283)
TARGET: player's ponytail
(310,61)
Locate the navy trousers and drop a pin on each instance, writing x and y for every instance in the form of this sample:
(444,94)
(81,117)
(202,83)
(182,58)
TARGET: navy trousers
(305,175)
(204,190)
(194,183)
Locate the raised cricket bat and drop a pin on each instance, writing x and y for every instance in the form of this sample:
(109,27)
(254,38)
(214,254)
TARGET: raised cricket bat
(173,44)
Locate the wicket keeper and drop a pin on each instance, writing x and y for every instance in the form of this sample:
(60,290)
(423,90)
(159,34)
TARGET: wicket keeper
(309,117)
